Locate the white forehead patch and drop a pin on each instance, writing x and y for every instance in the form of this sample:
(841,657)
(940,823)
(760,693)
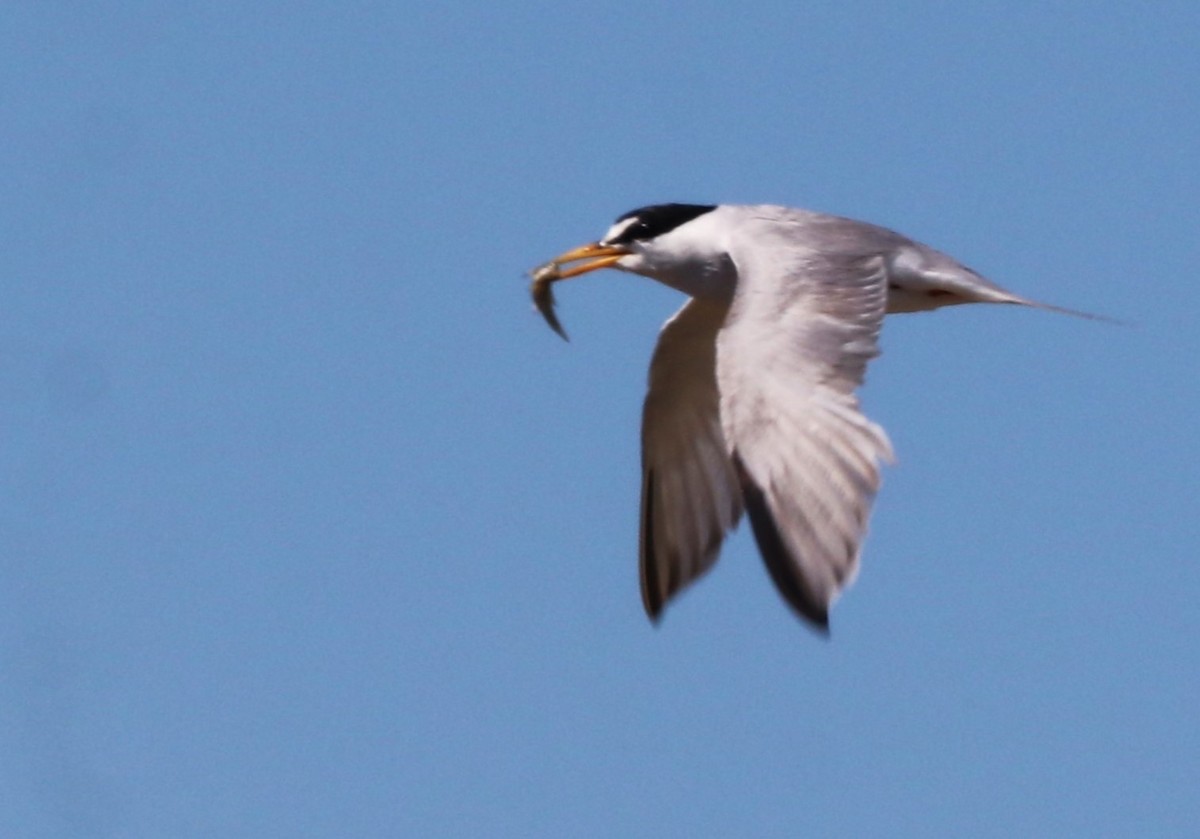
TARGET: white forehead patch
(619,228)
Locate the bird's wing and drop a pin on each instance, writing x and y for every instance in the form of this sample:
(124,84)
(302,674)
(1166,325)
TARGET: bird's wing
(690,493)
(801,329)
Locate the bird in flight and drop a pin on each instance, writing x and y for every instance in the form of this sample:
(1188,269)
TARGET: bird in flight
(751,401)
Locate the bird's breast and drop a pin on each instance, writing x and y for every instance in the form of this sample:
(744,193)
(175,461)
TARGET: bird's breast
(713,280)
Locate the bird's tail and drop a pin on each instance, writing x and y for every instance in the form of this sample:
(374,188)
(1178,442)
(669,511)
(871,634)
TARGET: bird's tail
(1049,307)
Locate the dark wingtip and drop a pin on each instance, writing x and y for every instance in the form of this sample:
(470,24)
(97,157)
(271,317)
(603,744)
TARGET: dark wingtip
(652,598)
(780,565)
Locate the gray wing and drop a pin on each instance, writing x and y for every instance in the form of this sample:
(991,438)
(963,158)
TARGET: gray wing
(803,325)
(690,493)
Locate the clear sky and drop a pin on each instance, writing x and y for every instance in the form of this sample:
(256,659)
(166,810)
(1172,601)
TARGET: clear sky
(309,527)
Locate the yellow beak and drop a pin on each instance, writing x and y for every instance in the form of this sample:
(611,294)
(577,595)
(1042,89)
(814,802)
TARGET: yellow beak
(597,255)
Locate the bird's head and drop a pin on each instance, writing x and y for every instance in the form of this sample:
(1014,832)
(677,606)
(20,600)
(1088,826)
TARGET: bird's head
(680,245)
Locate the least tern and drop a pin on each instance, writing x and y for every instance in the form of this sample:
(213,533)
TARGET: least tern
(751,401)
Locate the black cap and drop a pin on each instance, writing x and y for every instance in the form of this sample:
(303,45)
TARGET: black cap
(656,220)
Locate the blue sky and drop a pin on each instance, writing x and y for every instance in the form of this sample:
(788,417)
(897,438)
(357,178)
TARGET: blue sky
(309,527)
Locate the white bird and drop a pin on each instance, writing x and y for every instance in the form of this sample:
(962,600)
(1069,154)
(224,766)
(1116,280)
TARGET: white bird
(751,401)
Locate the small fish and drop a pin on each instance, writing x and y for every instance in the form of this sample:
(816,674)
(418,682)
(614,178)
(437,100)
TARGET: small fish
(543,296)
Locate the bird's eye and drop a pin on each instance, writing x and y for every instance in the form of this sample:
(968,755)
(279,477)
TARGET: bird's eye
(649,222)
(635,231)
